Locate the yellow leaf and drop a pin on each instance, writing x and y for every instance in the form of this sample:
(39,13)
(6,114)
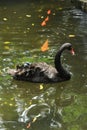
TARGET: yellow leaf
(45,46)
(60,8)
(7,47)
(41,86)
(71,35)
(7,42)
(10,104)
(27,15)
(33,24)
(34,119)
(5,19)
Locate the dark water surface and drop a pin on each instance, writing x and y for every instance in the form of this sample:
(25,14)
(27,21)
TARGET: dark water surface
(60,106)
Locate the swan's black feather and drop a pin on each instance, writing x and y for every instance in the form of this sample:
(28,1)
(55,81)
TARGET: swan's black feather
(42,72)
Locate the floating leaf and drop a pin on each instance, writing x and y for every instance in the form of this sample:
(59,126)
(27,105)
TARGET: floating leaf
(42,17)
(29,125)
(45,46)
(49,11)
(60,8)
(10,104)
(41,86)
(28,16)
(33,24)
(5,19)
(7,42)
(35,118)
(71,35)
(47,19)
(43,23)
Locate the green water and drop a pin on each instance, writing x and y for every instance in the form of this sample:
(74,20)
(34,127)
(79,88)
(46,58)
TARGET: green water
(59,106)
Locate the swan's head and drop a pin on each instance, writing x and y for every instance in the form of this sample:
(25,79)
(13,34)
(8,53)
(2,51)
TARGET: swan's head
(69,47)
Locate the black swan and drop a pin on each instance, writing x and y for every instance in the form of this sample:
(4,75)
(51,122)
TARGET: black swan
(42,72)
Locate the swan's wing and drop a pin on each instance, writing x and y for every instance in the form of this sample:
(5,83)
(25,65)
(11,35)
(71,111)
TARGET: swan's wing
(45,69)
(38,72)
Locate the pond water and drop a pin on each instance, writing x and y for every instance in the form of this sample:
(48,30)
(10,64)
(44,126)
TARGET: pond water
(59,106)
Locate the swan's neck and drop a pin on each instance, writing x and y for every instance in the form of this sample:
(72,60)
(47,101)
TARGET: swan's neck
(62,72)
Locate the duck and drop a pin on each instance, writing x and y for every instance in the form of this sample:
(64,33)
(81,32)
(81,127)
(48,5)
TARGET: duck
(42,72)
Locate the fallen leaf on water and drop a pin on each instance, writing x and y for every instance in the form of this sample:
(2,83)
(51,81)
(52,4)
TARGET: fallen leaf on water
(28,15)
(7,42)
(10,104)
(33,24)
(5,19)
(45,46)
(34,119)
(71,35)
(47,19)
(49,11)
(60,8)
(29,125)
(42,17)
(41,86)
(43,23)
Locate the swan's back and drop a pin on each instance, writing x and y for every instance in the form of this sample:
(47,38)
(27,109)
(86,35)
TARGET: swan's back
(35,72)
(42,72)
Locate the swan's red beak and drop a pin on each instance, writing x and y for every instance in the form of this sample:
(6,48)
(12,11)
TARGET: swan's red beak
(72,51)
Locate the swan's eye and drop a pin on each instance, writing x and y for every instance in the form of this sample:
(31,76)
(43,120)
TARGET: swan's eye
(69,48)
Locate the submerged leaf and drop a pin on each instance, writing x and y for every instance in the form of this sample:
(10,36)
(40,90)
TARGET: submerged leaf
(7,47)
(60,8)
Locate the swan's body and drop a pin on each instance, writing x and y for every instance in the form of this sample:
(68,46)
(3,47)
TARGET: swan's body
(42,72)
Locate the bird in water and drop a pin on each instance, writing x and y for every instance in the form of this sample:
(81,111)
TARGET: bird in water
(41,72)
